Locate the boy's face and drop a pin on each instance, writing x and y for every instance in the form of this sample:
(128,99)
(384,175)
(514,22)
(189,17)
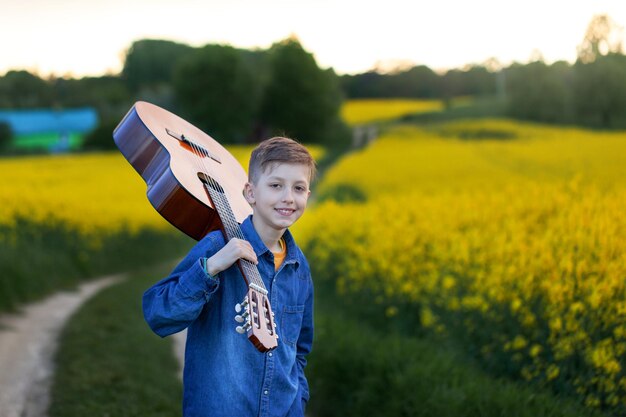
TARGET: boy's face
(280,195)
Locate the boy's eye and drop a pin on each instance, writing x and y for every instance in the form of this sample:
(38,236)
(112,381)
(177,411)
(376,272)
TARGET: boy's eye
(274,185)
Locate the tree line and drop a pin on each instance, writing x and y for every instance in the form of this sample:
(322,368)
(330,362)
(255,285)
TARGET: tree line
(590,92)
(240,95)
(235,95)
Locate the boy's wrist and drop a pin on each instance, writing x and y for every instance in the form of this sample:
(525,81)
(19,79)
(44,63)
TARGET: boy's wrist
(204,262)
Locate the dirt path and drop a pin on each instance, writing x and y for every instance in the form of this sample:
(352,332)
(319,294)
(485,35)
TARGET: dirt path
(28,341)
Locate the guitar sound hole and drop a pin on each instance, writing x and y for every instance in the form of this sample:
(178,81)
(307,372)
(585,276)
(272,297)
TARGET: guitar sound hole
(210,182)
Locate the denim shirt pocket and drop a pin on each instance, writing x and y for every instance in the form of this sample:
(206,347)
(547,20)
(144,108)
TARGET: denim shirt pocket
(291,324)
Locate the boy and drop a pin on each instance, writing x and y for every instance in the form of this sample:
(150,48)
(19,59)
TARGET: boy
(225,375)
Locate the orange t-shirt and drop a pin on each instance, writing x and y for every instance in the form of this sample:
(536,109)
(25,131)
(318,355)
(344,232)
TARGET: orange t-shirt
(279,257)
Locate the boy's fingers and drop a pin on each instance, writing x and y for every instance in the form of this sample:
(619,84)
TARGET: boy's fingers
(245,249)
(251,256)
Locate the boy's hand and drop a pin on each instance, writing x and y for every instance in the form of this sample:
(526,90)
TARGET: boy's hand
(235,249)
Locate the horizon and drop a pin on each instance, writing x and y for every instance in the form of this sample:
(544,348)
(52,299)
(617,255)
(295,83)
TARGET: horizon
(350,36)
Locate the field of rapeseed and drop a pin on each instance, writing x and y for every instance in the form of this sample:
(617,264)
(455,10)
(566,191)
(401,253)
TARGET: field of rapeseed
(361,111)
(93,192)
(64,218)
(507,237)
(366,111)
(81,190)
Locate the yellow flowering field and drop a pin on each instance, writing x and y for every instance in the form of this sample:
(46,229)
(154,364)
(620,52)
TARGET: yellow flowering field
(93,192)
(515,244)
(66,218)
(360,111)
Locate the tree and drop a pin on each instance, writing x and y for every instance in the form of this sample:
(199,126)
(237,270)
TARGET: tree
(540,92)
(452,84)
(6,135)
(152,61)
(600,92)
(480,81)
(474,81)
(108,94)
(603,36)
(21,89)
(101,138)
(416,82)
(366,85)
(302,100)
(216,89)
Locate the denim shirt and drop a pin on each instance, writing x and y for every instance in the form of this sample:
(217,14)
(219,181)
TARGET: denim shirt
(225,375)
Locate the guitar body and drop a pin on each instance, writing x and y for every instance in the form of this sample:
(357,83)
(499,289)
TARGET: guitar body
(196,185)
(163,161)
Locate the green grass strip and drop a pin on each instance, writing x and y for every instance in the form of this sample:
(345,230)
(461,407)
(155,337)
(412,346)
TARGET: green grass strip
(355,370)
(109,363)
(37,259)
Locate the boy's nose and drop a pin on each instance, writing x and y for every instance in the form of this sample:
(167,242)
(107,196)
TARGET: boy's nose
(288,196)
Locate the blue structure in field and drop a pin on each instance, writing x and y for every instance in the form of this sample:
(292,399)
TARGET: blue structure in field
(59,123)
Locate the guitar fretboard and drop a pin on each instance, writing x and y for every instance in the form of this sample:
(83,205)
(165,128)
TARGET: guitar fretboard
(233,229)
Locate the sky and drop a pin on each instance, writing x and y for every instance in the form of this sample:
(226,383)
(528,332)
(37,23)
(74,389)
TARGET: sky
(90,37)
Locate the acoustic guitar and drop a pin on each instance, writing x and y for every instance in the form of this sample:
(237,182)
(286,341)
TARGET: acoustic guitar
(196,185)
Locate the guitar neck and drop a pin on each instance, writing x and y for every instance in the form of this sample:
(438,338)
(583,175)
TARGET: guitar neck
(232,229)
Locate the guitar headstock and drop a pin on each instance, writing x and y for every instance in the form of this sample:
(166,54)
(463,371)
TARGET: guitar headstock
(257,320)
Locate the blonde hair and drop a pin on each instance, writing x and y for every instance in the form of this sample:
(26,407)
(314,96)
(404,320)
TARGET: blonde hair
(279,150)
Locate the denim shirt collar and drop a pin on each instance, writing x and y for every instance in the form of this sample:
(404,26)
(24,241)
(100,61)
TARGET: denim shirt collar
(259,247)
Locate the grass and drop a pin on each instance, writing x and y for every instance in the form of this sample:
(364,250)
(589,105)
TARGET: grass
(109,363)
(355,370)
(37,259)
(470,109)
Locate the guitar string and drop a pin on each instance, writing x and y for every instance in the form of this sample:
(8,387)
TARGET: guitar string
(229,221)
(221,200)
(201,168)
(197,161)
(252,270)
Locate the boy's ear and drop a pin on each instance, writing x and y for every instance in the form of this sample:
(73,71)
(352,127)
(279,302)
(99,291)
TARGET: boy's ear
(248,193)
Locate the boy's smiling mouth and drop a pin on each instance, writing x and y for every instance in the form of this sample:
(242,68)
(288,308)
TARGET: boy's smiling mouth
(285,211)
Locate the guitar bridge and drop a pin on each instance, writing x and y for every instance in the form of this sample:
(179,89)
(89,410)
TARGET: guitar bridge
(195,147)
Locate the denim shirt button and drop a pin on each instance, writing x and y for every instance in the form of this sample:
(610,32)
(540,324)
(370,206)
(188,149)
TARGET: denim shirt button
(266,392)
(270,354)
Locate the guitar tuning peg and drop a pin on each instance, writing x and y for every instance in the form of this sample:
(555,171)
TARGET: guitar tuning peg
(242,329)
(239,319)
(242,305)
